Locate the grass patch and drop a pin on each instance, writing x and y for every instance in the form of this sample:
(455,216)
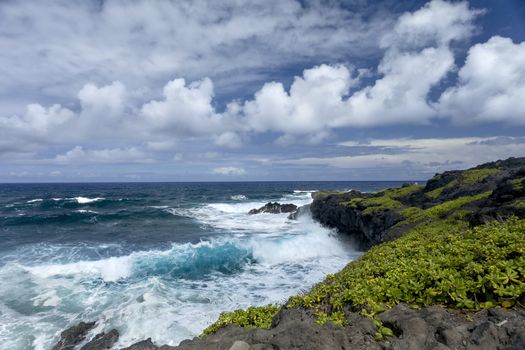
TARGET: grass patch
(519,184)
(440,210)
(472,176)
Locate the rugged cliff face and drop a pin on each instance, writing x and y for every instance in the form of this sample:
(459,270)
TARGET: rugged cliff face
(490,191)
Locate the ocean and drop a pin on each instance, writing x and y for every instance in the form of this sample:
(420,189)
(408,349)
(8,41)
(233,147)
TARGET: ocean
(159,260)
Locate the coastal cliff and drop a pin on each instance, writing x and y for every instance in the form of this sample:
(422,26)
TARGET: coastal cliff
(445,269)
(490,191)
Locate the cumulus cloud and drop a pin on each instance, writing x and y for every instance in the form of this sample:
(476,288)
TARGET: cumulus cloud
(184,110)
(417,57)
(313,101)
(108,100)
(157,74)
(229,171)
(37,126)
(491,85)
(52,47)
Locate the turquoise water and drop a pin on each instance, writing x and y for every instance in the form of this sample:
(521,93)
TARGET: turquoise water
(158,260)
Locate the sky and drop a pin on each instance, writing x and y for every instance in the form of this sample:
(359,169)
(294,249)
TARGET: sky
(241,90)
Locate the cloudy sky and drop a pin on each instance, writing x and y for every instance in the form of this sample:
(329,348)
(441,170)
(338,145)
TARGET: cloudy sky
(258,90)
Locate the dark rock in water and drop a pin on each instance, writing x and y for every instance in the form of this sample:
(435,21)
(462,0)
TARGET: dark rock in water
(274,208)
(302,210)
(102,341)
(73,335)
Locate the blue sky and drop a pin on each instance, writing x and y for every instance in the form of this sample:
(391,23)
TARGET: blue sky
(250,90)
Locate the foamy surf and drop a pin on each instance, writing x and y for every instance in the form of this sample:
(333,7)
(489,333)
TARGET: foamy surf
(164,263)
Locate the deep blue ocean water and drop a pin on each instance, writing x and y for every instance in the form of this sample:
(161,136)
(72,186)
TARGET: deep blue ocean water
(158,260)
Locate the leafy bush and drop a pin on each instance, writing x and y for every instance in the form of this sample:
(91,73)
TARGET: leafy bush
(252,317)
(439,263)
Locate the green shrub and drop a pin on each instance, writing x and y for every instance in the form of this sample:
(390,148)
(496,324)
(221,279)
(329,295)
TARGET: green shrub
(440,263)
(252,317)
(472,176)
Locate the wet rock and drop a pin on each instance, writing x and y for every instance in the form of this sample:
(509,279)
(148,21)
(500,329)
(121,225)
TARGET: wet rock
(274,208)
(73,336)
(102,341)
(302,210)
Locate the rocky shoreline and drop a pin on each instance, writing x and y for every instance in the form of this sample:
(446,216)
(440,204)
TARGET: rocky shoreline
(490,192)
(434,327)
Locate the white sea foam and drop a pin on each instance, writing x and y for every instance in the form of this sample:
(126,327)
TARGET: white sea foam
(238,197)
(133,294)
(85,211)
(111,269)
(35,200)
(86,200)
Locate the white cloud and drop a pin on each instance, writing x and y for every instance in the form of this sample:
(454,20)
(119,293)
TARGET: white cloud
(437,23)
(416,59)
(400,96)
(313,101)
(229,171)
(49,48)
(185,110)
(108,100)
(491,85)
(229,139)
(115,155)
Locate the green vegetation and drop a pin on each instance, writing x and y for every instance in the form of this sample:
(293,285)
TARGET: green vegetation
(477,175)
(401,192)
(439,211)
(386,200)
(439,259)
(467,177)
(252,317)
(380,203)
(519,184)
(440,263)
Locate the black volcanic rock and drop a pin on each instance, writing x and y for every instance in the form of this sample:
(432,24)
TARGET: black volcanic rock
(274,208)
(429,328)
(504,180)
(73,336)
(302,210)
(102,341)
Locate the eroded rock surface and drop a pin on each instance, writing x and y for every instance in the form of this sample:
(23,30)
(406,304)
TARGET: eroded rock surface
(432,328)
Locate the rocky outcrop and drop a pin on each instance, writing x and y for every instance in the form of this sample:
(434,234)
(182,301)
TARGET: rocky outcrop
(73,336)
(365,229)
(497,190)
(433,328)
(102,341)
(302,210)
(274,208)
